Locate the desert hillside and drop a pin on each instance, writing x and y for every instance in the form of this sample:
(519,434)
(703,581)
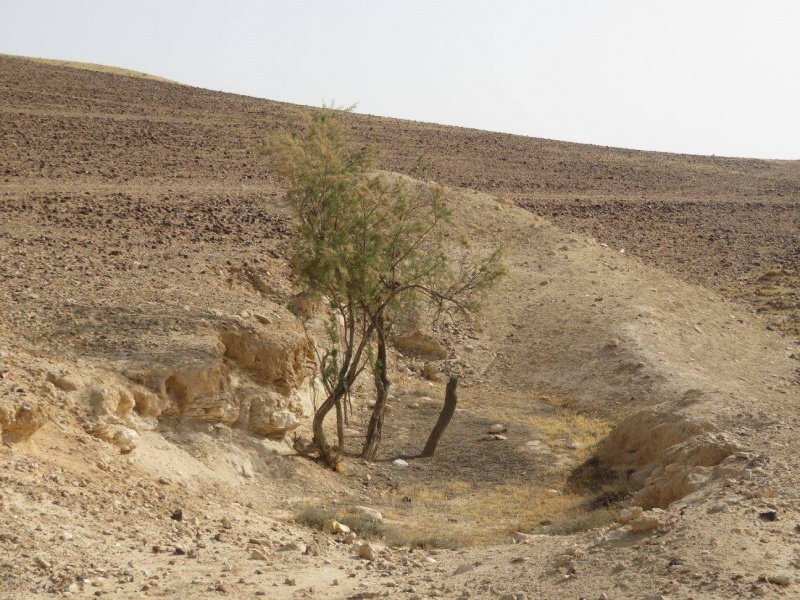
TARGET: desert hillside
(628,408)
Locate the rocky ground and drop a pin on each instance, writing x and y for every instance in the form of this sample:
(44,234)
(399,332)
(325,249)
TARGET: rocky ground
(152,375)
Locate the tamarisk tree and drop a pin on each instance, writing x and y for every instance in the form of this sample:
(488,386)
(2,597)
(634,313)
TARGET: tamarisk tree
(373,246)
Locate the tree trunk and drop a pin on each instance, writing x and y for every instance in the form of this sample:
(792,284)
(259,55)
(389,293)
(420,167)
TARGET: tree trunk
(449,408)
(326,453)
(375,429)
(340,424)
(348,371)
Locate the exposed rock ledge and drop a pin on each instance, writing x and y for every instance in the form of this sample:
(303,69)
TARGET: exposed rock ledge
(667,456)
(254,377)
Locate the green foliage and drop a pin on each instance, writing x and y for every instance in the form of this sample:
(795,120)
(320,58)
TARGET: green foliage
(372,244)
(370,239)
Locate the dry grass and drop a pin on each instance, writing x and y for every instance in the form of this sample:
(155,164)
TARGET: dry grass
(96,68)
(393,534)
(562,426)
(484,515)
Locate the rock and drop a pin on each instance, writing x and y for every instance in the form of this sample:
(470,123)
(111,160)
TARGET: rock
(274,355)
(333,526)
(258,555)
(264,319)
(312,550)
(147,403)
(177,515)
(66,536)
(111,401)
(718,507)
(226,523)
(280,422)
(768,515)
(290,547)
(463,568)
(644,524)
(20,419)
(419,344)
(124,438)
(265,420)
(668,455)
(498,428)
(626,515)
(399,462)
(432,371)
(305,305)
(43,563)
(780,579)
(289,581)
(366,551)
(366,511)
(63,382)
(414,405)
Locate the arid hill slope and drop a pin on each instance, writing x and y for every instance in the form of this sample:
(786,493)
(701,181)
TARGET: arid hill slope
(718,221)
(144,288)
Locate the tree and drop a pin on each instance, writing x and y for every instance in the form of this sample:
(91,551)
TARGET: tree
(373,246)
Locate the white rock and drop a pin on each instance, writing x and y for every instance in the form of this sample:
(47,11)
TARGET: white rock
(645,524)
(282,421)
(498,428)
(333,526)
(780,579)
(125,439)
(627,515)
(350,538)
(366,551)
(718,507)
(399,462)
(369,513)
(464,568)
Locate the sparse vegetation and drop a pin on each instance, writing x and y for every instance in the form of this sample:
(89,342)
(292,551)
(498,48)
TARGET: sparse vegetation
(98,68)
(373,247)
(411,536)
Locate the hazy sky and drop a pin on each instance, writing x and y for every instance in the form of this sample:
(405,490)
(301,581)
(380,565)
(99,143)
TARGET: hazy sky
(701,76)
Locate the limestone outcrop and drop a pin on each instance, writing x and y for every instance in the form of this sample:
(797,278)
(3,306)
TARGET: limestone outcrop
(250,376)
(667,456)
(20,419)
